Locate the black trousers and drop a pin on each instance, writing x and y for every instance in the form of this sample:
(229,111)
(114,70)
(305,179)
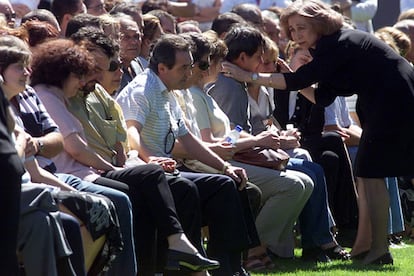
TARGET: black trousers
(227,213)
(162,206)
(10,187)
(330,152)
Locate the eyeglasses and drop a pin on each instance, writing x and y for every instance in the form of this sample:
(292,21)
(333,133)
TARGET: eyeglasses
(203,65)
(136,36)
(169,141)
(114,65)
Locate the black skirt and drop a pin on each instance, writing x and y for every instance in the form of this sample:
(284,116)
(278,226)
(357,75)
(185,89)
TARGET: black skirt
(389,154)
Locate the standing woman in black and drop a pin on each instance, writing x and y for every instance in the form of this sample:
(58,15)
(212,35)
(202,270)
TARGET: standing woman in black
(346,62)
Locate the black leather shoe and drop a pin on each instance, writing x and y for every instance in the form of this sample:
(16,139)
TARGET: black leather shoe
(384,259)
(360,256)
(194,262)
(314,255)
(337,253)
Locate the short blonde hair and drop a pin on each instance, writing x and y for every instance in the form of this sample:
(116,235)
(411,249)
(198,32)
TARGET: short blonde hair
(401,40)
(271,47)
(323,19)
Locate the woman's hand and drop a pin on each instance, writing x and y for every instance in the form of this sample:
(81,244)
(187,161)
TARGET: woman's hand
(282,66)
(289,142)
(268,139)
(31,146)
(234,71)
(300,58)
(337,129)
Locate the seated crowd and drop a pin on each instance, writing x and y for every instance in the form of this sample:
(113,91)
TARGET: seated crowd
(113,142)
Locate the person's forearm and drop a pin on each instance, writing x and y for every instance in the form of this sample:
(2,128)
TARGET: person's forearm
(91,159)
(39,175)
(204,154)
(135,142)
(52,144)
(207,14)
(76,147)
(20,142)
(180,152)
(181,9)
(275,80)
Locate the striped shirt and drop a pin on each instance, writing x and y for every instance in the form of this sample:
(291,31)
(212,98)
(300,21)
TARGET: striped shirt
(146,100)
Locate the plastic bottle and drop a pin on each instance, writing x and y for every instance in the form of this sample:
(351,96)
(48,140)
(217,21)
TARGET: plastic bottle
(234,135)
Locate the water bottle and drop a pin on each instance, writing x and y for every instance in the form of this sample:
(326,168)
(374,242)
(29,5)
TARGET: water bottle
(234,135)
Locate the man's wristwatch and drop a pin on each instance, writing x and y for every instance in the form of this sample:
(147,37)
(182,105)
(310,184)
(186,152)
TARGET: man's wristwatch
(40,145)
(255,77)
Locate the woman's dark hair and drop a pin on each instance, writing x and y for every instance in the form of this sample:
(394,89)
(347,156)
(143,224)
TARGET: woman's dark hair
(55,60)
(39,31)
(12,50)
(219,48)
(200,45)
(223,22)
(242,38)
(165,49)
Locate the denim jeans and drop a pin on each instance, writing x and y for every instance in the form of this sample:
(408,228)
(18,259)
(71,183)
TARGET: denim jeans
(125,263)
(315,217)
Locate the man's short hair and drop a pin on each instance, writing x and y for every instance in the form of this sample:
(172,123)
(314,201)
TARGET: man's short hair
(82,20)
(165,49)
(97,38)
(200,45)
(41,15)
(242,38)
(223,22)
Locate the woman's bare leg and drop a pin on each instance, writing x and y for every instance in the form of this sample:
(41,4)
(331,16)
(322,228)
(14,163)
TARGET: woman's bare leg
(378,202)
(363,239)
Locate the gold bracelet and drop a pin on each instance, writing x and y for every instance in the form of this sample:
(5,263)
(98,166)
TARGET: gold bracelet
(226,165)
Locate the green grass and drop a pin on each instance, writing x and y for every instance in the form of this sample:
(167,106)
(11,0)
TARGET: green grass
(403,266)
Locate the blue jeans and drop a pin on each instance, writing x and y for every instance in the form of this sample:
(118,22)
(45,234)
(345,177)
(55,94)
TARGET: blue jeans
(314,218)
(125,263)
(396,220)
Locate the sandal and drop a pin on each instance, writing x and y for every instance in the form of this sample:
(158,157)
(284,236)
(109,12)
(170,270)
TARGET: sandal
(337,253)
(254,263)
(267,261)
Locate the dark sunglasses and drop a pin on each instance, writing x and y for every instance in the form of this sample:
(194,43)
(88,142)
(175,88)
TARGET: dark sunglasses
(203,65)
(114,65)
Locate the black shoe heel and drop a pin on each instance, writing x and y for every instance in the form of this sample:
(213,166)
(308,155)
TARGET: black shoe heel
(384,259)
(195,262)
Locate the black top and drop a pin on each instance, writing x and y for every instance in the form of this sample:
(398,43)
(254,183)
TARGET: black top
(354,62)
(6,144)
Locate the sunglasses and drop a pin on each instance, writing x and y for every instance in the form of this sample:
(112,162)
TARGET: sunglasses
(114,65)
(203,65)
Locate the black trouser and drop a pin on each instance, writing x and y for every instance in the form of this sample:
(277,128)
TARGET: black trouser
(10,188)
(330,152)
(154,209)
(227,214)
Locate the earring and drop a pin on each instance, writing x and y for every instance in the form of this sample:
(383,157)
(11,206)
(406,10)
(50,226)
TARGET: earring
(1,79)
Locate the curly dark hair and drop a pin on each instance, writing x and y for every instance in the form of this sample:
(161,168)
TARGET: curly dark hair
(55,60)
